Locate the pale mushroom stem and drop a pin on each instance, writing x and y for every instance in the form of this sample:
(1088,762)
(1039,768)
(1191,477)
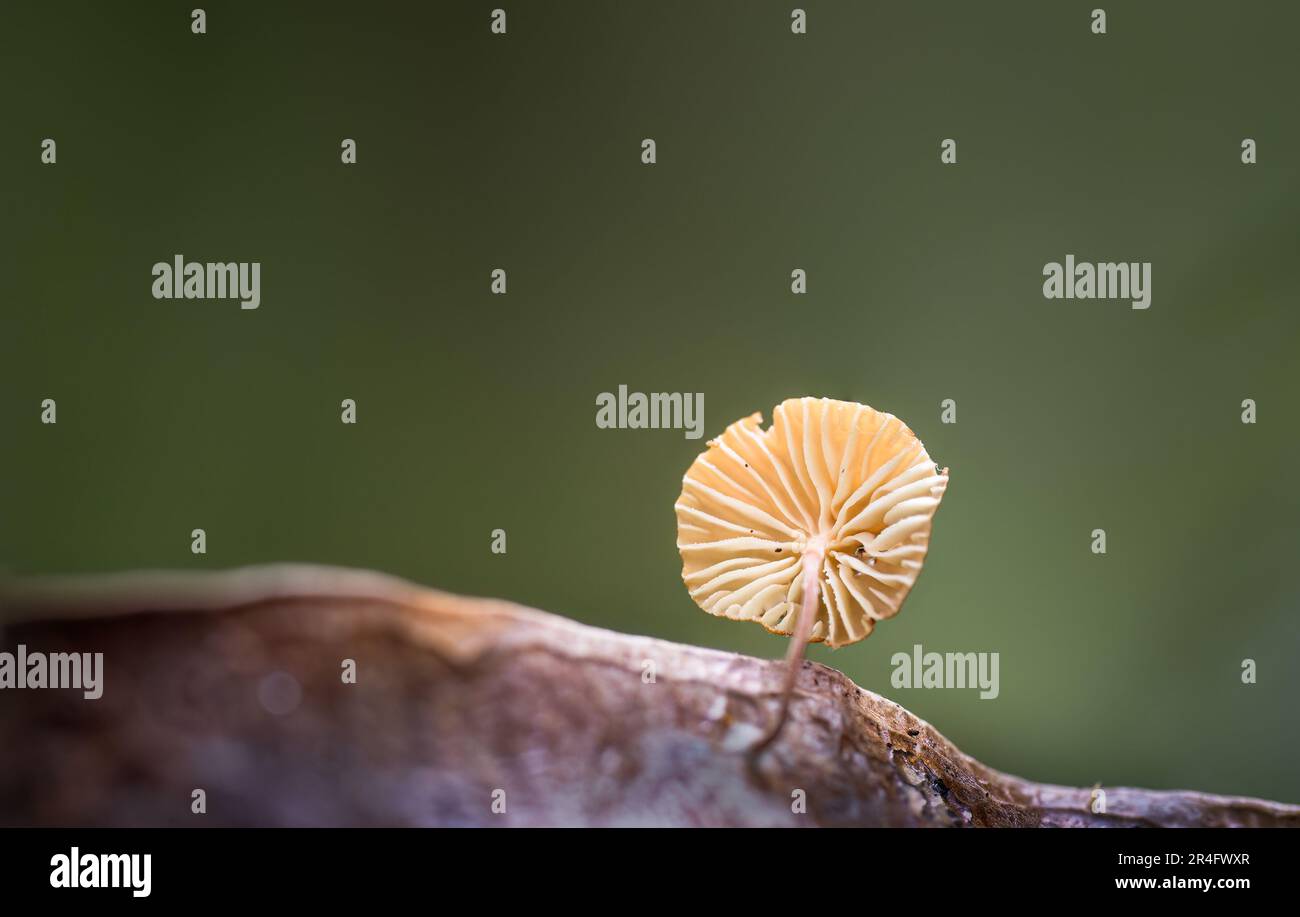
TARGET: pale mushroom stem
(813,556)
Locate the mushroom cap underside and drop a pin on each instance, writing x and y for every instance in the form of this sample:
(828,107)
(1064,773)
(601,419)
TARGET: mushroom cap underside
(835,475)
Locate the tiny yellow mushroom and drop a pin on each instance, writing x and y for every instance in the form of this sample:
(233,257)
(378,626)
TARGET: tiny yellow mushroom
(815,527)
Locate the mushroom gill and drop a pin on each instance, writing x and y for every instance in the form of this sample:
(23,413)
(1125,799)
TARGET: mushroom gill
(835,497)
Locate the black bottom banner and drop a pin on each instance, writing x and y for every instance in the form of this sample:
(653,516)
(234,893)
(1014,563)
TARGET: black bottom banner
(330,867)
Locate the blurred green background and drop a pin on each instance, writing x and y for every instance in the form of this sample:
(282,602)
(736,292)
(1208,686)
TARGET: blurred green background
(775,152)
